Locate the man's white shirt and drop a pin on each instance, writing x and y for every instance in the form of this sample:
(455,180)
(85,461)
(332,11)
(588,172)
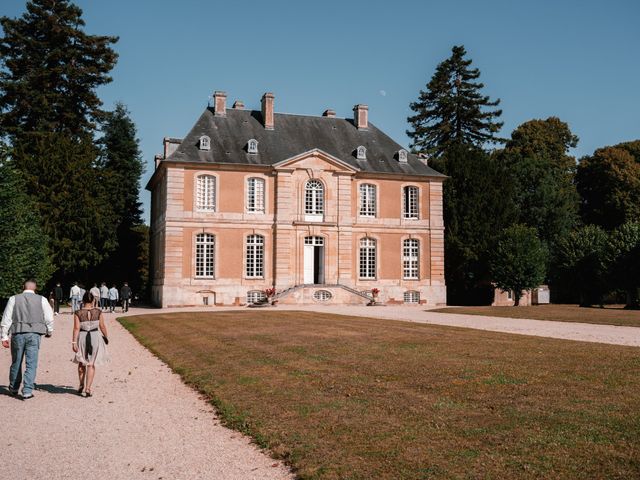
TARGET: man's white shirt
(7,316)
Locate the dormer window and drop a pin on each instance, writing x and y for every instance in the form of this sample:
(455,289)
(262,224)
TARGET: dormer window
(252,146)
(205,143)
(402,156)
(361,153)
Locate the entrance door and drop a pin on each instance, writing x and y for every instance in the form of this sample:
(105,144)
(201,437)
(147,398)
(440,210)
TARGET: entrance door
(313,260)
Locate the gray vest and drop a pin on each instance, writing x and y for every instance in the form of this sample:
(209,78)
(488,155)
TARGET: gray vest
(28,315)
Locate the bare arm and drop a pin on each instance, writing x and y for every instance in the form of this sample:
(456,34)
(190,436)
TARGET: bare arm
(103,327)
(76,333)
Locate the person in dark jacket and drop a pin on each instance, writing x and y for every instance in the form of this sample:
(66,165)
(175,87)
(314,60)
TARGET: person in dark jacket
(125,296)
(58,296)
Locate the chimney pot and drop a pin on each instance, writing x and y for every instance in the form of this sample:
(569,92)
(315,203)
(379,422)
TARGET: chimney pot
(329,113)
(361,116)
(220,103)
(238,105)
(267,111)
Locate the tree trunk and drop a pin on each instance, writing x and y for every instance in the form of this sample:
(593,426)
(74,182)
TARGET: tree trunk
(633,303)
(516,299)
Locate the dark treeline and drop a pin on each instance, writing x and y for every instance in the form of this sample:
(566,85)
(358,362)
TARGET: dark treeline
(70,170)
(526,212)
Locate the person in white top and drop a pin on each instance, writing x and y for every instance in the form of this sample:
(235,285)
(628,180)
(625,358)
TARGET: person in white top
(75,296)
(26,318)
(113,298)
(95,291)
(104,296)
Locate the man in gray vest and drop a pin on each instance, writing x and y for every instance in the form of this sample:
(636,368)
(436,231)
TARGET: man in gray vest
(26,317)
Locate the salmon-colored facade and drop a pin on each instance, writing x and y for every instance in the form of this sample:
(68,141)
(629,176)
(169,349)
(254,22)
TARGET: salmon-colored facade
(317,246)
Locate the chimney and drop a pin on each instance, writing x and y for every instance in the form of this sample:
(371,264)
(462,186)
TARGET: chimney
(170,145)
(220,103)
(238,105)
(157,159)
(329,113)
(361,116)
(267,111)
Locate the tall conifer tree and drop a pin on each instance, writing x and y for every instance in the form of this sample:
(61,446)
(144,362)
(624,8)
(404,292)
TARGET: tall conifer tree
(452,110)
(50,70)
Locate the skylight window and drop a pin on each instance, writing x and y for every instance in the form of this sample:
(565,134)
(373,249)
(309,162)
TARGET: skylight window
(252,146)
(402,156)
(361,153)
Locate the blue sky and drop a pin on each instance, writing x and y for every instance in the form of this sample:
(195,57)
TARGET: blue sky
(578,60)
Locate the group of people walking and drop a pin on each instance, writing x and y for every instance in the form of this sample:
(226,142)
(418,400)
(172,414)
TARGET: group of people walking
(104,297)
(28,316)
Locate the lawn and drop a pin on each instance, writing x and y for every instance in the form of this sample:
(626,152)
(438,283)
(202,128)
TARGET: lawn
(611,315)
(343,397)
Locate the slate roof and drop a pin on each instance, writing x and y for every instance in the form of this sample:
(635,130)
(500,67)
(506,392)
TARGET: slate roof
(291,136)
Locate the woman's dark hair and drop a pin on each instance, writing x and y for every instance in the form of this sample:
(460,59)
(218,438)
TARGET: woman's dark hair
(87,298)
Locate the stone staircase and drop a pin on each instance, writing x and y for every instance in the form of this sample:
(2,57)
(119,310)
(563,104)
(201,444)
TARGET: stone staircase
(287,291)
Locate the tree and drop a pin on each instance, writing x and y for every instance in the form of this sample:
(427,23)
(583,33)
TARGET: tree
(537,157)
(581,262)
(452,110)
(478,205)
(61,178)
(609,186)
(49,71)
(624,256)
(519,261)
(23,244)
(121,168)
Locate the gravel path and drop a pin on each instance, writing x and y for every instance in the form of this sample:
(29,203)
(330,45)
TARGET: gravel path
(141,423)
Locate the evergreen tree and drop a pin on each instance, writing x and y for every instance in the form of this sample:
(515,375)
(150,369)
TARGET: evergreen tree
(519,261)
(478,205)
(121,171)
(23,245)
(537,157)
(452,110)
(49,71)
(581,263)
(61,178)
(609,186)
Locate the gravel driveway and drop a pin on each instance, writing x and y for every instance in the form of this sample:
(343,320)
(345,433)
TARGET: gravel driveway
(141,423)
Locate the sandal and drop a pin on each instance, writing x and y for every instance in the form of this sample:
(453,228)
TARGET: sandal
(87,394)
(81,389)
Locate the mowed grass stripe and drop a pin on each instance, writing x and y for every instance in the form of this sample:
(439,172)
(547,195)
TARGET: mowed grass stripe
(349,397)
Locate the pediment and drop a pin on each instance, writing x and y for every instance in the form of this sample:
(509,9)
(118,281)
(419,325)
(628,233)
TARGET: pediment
(316,159)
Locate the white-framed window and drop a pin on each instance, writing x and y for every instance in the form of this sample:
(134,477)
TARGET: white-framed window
(255,256)
(410,202)
(410,259)
(315,240)
(255,195)
(367,200)
(361,153)
(509,295)
(411,296)
(402,156)
(367,268)
(206,193)
(314,198)
(256,296)
(204,143)
(205,255)
(252,146)
(322,295)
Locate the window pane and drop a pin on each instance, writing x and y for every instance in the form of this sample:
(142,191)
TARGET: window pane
(255,195)
(367,200)
(410,259)
(206,193)
(410,202)
(255,256)
(205,243)
(314,198)
(367,258)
